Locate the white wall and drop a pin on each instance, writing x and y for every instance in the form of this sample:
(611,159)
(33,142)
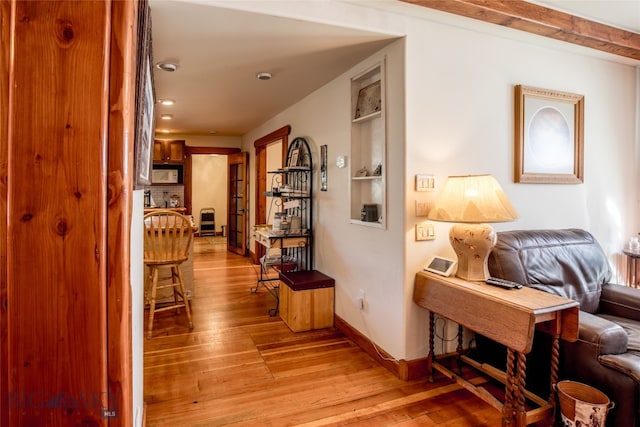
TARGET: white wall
(209,183)
(459,120)
(137,307)
(356,257)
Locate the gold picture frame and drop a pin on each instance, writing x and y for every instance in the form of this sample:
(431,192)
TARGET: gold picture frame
(549,136)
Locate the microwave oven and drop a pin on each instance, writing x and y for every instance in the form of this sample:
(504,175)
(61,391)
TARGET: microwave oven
(164,176)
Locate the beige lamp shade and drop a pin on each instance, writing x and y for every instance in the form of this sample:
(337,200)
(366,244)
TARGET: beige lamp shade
(472,199)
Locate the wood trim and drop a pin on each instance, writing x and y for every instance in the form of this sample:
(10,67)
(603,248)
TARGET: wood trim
(120,167)
(6,16)
(188,168)
(210,150)
(543,21)
(57,201)
(277,134)
(187,179)
(403,369)
(260,183)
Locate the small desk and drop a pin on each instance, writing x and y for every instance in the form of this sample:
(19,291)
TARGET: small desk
(508,317)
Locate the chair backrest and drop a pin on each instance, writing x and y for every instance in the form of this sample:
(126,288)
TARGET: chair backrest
(167,237)
(569,263)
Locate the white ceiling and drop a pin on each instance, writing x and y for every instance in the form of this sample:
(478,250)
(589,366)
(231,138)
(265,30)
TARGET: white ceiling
(220,50)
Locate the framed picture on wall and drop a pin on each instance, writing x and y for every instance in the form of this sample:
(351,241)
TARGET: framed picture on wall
(549,140)
(145,101)
(144,140)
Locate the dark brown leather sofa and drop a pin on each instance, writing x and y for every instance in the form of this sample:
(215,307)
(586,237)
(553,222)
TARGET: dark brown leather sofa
(571,263)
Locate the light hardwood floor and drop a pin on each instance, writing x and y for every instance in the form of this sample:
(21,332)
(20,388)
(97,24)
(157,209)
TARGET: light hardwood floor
(241,367)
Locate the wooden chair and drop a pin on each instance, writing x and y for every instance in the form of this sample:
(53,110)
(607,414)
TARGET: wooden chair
(167,240)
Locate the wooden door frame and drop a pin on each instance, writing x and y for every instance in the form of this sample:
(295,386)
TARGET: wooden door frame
(260,184)
(188,168)
(116,130)
(232,188)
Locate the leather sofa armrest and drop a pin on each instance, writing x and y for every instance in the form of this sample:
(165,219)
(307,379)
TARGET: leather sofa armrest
(606,336)
(621,301)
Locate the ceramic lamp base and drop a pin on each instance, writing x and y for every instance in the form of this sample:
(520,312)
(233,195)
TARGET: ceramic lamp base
(472,243)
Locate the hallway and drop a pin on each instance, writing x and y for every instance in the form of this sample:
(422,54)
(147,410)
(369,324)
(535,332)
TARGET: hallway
(241,367)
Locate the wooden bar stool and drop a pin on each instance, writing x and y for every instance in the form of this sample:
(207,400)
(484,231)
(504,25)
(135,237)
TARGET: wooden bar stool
(167,240)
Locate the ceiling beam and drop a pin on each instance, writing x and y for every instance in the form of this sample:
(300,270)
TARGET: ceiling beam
(543,21)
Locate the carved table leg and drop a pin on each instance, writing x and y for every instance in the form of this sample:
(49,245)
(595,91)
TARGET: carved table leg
(432,358)
(459,349)
(555,364)
(508,407)
(521,413)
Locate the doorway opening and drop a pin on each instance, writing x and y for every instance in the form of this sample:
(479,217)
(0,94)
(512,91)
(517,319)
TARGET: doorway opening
(267,158)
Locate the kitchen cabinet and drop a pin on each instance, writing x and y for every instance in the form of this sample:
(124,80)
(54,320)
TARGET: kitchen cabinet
(168,151)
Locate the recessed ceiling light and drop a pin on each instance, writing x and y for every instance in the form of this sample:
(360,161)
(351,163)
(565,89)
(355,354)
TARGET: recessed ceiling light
(166,116)
(167,66)
(263,76)
(165,130)
(166,101)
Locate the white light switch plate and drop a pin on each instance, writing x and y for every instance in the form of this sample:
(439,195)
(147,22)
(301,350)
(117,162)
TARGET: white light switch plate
(425,182)
(423,207)
(425,231)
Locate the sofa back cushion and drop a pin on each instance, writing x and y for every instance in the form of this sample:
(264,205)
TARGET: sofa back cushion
(569,263)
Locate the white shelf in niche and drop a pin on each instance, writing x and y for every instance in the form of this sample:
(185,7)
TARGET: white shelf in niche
(372,224)
(371,116)
(367,178)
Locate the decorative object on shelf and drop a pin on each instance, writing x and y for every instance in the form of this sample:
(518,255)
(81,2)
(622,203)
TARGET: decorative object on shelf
(549,136)
(293,157)
(323,167)
(362,172)
(378,170)
(174,201)
(369,100)
(473,200)
(369,213)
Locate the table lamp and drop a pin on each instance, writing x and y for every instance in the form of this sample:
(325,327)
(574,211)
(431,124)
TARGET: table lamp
(473,201)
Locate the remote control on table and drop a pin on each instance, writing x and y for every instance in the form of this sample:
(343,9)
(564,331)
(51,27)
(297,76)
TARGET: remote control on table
(503,283)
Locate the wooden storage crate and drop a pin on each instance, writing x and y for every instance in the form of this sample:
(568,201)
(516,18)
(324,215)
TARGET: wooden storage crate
(306,300)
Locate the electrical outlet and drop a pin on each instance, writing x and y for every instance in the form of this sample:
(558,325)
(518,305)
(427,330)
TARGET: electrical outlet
(360,300)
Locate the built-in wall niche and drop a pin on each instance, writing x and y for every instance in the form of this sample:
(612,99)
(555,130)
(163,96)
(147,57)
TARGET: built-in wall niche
(367,165)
